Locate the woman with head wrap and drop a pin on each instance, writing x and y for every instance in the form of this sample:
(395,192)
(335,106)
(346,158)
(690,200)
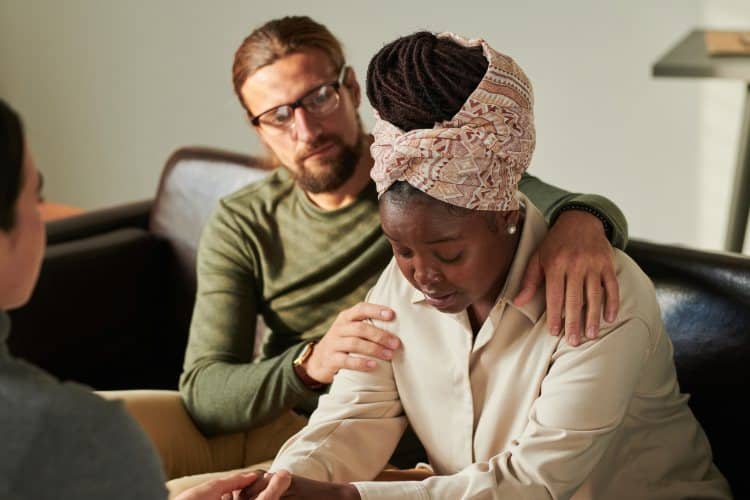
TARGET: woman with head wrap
(504,409)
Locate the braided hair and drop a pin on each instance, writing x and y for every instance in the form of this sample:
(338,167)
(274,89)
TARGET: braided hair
(416,81)
(420,79)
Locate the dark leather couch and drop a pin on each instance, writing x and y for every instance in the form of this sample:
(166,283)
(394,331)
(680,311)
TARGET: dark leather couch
(116,290)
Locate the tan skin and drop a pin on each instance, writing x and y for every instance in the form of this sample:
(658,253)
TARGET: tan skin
(219,488)
(575,261)
(460,262)
(22,248)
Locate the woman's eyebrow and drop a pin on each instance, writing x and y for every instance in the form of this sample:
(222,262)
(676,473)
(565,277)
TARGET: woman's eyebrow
(388,235)
(444,239)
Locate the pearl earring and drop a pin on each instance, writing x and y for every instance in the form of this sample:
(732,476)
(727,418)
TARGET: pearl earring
(511,229)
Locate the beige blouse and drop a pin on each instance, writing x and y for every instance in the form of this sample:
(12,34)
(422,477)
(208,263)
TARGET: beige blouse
(516,412)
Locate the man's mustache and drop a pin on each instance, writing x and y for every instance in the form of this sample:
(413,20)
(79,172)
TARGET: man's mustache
(321,141)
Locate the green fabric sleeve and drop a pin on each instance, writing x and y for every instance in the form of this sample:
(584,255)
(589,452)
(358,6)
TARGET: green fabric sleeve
(223,389)
(551,200)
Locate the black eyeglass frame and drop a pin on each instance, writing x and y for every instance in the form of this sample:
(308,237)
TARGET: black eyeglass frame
(336,84)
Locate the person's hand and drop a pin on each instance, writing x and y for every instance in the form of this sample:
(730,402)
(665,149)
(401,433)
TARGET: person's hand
(220,489)
(414,474)
(282,484)
(577,262)
(350,333)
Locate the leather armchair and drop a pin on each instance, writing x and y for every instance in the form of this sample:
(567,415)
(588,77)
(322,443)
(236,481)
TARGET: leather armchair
(115,294)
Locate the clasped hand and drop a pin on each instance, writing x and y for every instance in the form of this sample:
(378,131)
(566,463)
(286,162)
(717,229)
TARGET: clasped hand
(282,484)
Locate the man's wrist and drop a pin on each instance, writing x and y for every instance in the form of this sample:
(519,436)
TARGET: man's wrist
(606,224)
(306,379)
(300,368)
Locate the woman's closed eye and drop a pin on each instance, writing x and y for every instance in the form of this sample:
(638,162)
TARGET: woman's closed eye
(449,259)
(403,252)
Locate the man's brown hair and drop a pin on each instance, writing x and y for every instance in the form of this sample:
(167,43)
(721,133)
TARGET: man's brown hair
(279,38)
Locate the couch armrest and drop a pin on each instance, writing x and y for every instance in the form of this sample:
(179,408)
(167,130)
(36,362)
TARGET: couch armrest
(99,221)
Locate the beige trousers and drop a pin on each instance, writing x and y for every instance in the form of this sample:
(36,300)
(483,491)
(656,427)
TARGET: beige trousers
(190,458)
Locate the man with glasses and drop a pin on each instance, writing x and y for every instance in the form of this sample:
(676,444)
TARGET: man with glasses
(303,247)
(320,101)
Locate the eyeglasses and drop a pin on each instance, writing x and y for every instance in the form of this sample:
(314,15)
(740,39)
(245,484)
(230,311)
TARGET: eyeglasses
(319,102)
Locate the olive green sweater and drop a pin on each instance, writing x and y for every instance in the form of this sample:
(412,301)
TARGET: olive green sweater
(267,250)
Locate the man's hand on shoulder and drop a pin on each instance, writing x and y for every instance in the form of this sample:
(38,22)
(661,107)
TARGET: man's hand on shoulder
(577,263)
(351,333)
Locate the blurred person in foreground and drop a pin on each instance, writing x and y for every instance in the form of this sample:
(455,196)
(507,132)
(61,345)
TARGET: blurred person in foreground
(60,441)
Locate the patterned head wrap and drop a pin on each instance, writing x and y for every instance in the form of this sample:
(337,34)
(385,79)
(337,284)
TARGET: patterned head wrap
(475,159)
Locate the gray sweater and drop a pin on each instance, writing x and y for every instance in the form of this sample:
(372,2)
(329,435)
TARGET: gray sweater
(60,441)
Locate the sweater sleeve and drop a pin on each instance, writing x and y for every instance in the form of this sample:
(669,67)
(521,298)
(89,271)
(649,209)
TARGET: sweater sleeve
(86,447)
(551,200)
(223,389)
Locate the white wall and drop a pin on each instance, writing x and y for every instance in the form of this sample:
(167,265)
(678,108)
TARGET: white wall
(721,104)
(109,89)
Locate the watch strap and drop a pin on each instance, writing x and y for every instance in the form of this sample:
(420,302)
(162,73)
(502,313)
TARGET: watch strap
(300,371)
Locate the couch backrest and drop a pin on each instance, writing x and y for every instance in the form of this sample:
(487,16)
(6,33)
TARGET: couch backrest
(705,303)
(192,182)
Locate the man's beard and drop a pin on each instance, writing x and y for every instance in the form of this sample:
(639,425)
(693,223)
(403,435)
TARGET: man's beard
(339,169)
